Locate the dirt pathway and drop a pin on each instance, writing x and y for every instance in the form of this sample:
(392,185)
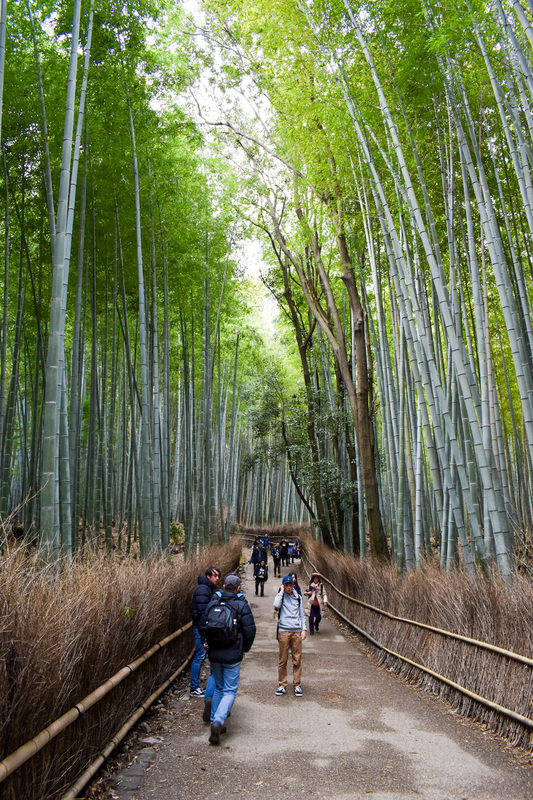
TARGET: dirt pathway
(357,732)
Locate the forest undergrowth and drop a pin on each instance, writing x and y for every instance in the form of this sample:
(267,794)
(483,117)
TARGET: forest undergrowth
(481,607)
(63,634)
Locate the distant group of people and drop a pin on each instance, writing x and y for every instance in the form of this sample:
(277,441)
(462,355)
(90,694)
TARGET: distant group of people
(224,629)
(283,553)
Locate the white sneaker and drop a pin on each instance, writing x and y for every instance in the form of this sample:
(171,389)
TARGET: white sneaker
(298,691)
(281,690)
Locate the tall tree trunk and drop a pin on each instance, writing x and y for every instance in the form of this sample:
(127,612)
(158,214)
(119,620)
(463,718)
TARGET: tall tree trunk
(50,471)
(146,518)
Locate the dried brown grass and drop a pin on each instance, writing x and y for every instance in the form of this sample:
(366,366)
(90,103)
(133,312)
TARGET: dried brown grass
(478,607)
(289,530)
(63,635)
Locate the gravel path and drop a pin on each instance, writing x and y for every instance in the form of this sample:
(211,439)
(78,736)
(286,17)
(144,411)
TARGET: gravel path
(357,732)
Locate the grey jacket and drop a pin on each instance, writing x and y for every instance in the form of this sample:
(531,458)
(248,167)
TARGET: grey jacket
(291,611)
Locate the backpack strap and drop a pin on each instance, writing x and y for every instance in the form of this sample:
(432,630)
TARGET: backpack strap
(299,596)
(229,601)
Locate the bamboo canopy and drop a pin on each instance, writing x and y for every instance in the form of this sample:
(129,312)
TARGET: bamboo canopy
(141,399)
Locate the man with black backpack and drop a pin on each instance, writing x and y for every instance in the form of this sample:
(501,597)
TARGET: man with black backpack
(228,630)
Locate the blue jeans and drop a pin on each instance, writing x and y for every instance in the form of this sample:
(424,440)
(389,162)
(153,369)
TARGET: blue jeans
(210,687)
(198,660)
(226,685)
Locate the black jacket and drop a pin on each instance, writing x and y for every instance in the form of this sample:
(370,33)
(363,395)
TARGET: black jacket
(259,553)
(200,598)
(232,653)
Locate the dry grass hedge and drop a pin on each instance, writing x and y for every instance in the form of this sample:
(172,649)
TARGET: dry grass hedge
(288,530)
(63,635)
(482,609)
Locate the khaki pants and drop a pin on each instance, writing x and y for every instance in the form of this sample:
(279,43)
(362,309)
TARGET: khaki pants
(292,640)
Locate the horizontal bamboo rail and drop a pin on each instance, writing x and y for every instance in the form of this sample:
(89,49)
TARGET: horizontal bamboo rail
(93,768)
(507,712)
(479,698)
(26,751)
(450,634)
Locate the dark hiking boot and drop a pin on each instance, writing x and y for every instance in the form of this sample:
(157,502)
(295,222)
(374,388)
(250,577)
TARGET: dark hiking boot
(206,716)
(215,733)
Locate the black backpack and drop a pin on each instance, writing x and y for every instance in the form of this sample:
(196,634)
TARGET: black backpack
(221,626)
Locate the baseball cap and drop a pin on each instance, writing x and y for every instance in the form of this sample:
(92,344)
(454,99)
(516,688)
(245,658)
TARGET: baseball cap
(232,581)
(288,579)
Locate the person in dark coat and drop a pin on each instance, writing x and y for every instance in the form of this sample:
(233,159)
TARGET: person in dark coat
(203,593)
(276,557)
(261,577)
(259,553)
(284,553)
(253,554)
(226,659)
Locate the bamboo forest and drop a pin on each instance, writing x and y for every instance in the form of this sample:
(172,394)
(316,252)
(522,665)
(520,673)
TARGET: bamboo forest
(267,298)
(268,262)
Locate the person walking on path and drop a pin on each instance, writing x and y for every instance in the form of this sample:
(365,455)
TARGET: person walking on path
(292,630)
(261,577)
(276,557)
(317,599)
(202,594)
(226,647)
(291,552)
(258,554)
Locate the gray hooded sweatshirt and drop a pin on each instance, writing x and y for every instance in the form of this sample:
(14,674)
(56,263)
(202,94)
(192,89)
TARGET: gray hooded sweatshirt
(292,615)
